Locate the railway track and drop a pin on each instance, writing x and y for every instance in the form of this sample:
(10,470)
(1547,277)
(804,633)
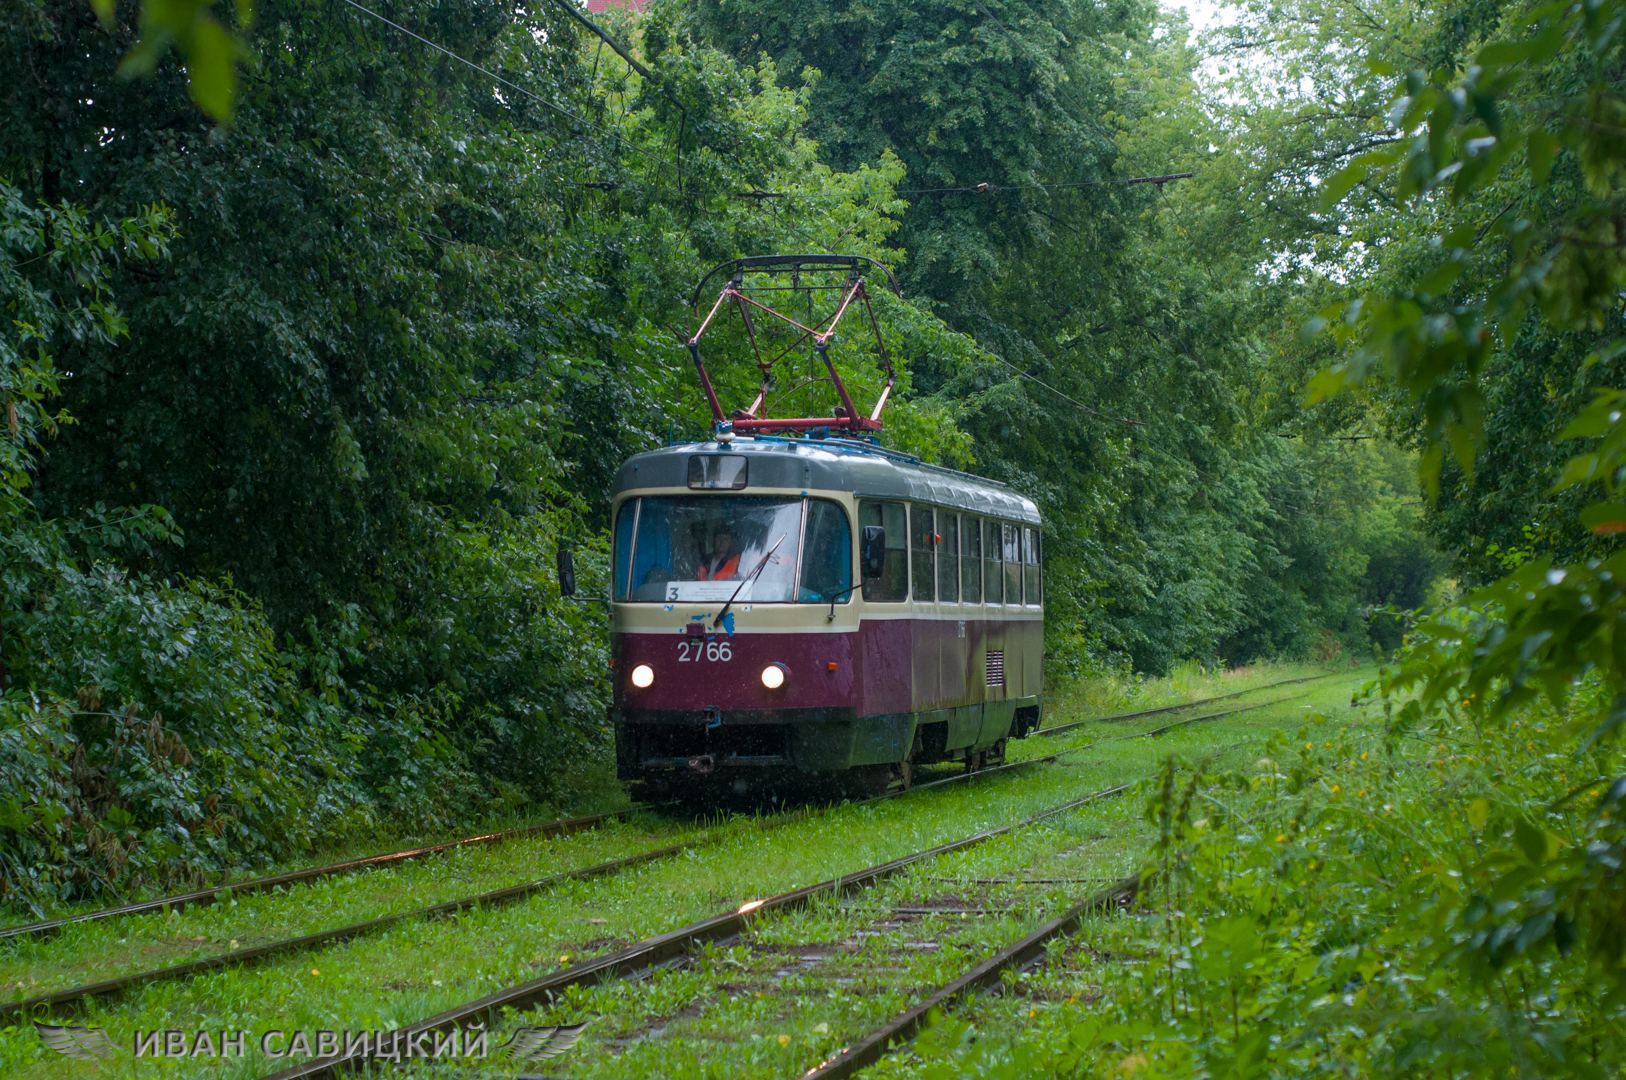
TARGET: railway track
(652,951)
(1021,951)
(56,1002)
(563,827)
(1050,732)
(1026,950)
(205,897)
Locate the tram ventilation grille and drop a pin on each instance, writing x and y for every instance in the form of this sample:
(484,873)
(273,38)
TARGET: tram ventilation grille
(996,667)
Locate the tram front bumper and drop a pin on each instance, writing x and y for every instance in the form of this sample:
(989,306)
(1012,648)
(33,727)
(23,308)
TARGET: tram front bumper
(665,741)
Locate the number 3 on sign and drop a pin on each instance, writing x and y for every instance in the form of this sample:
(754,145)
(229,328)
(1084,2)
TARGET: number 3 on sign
(715,651)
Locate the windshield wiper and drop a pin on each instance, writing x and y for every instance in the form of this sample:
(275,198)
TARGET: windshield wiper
(718,621)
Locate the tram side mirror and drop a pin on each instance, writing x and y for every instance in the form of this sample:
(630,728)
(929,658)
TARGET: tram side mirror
(873,553)
(567,573)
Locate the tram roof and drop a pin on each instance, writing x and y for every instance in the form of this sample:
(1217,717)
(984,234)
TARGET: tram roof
(833,465)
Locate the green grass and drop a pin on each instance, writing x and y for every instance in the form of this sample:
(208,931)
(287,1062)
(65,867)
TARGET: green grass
(728,1012)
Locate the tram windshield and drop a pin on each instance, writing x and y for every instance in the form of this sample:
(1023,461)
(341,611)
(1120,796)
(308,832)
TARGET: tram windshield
(702,548)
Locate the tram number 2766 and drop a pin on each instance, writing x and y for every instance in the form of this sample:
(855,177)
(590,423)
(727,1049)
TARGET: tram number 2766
(704,650)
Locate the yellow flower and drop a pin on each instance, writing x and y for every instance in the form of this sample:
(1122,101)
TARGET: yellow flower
(1335,789)
(1309,746)
(784,1040)
(315,972)
(1281,839)
(1363,755)
(1032,1013)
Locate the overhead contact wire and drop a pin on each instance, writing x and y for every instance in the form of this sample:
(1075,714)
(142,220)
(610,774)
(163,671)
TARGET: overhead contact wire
(1077,404)
(482,70)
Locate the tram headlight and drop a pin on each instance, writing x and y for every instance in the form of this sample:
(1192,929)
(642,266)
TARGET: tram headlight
(643,676)
(773,676)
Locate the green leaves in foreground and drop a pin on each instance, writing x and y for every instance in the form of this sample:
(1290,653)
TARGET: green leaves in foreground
(1419,900)
(1475,153)
(1536,661)
(210,51)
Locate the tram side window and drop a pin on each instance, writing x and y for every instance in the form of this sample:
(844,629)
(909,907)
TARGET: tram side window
(625,519)
(827,553)
(971,561)
(893,584)
(948,557)
(992,578)
(922,544)
(1013,564)
(1030,564)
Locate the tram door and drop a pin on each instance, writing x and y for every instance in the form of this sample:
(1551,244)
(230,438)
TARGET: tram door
(932,643)
(996,641)
(955,648)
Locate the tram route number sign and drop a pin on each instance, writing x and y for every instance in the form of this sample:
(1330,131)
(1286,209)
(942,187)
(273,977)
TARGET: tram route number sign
(708,592)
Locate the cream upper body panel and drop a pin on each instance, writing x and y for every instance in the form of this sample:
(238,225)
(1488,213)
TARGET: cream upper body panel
(782,474)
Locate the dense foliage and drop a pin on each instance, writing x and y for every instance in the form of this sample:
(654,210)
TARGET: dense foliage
(1197,530)
(311,382)
(1445,899)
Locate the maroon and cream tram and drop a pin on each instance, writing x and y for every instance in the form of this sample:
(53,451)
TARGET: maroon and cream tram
(791,603)
(789,610)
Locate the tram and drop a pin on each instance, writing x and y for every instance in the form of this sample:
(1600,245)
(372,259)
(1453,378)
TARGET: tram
(791,611)
(794,606)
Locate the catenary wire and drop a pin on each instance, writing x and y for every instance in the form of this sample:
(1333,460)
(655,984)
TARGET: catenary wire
(977,189)
(980,189)
(482,70)
(544,101)
(1077,404)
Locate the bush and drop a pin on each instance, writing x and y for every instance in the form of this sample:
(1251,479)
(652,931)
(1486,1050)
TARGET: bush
(164,736)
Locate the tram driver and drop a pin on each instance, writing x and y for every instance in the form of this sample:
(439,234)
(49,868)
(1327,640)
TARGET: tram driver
(723,563)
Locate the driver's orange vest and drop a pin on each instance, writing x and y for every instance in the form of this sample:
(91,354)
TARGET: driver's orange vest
(724,571)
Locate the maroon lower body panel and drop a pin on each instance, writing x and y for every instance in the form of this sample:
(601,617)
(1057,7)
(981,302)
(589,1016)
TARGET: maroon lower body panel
(937,687)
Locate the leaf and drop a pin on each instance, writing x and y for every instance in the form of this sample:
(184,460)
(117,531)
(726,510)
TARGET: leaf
(1327,383)
(1597,418)
(104,12)
(1439,279)
(1531,840)
(1341,183)
(1478,813)
(1428,469)
(1462,446)
(13,816)
(1540,148)
(1577,470)
(1604,519)
(1500,54)
(211,68)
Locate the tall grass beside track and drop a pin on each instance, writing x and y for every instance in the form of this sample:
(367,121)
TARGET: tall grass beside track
(1353,901)
(679,1022)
